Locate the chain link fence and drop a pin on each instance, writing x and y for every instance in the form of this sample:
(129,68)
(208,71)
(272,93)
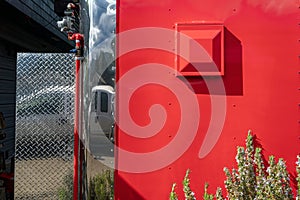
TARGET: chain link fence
(44,126)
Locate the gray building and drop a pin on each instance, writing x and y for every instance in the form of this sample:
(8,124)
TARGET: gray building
(25,26)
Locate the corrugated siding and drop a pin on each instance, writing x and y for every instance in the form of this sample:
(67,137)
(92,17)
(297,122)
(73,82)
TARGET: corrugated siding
(42,11)
(7,101)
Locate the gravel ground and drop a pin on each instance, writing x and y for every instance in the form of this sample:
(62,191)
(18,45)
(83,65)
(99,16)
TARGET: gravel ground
(40,178)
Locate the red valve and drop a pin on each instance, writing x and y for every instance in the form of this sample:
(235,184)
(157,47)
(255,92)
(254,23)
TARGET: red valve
(78,43)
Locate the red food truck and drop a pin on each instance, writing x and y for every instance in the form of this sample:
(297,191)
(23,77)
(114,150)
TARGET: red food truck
(191,78)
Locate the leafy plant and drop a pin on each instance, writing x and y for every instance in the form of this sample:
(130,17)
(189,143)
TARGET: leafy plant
(101,186)
(298,177)
(219,195)
(66,192)
(173,195)
(252,180)
(206,195)
(188,193)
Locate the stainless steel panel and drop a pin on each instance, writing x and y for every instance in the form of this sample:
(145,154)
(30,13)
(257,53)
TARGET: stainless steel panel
(99,70)
(44,125)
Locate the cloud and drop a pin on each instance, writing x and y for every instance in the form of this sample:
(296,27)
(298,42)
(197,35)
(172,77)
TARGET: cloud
(277,6)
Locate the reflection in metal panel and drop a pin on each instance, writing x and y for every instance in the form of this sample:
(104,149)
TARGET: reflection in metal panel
(44,125)
(99,80)
(98,69)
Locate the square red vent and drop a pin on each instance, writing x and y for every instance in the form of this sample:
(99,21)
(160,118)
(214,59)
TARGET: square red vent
(199,49)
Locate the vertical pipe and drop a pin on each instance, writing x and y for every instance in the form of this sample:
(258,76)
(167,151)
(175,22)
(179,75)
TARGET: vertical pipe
(76,128)
(78,57)
(81,172)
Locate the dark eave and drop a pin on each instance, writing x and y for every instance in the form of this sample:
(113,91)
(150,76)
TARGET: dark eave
(29,30)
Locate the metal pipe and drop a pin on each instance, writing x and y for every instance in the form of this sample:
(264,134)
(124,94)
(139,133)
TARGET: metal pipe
(78,57)
(76,134)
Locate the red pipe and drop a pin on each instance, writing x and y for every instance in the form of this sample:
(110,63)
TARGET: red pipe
(76,134)
(78,57)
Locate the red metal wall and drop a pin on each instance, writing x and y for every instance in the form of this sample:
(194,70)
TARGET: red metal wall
(260,77)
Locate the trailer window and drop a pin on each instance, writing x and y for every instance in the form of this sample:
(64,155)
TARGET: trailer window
(95,101)
(104,102)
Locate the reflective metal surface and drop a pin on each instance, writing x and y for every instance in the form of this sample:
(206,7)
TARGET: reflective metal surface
(44,125)
(99,78)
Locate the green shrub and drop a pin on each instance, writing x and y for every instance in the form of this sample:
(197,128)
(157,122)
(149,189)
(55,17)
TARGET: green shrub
(66,192)
(206,195)
(173,195)
(188,193)
(252,180)
(101,186)
(298,177)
